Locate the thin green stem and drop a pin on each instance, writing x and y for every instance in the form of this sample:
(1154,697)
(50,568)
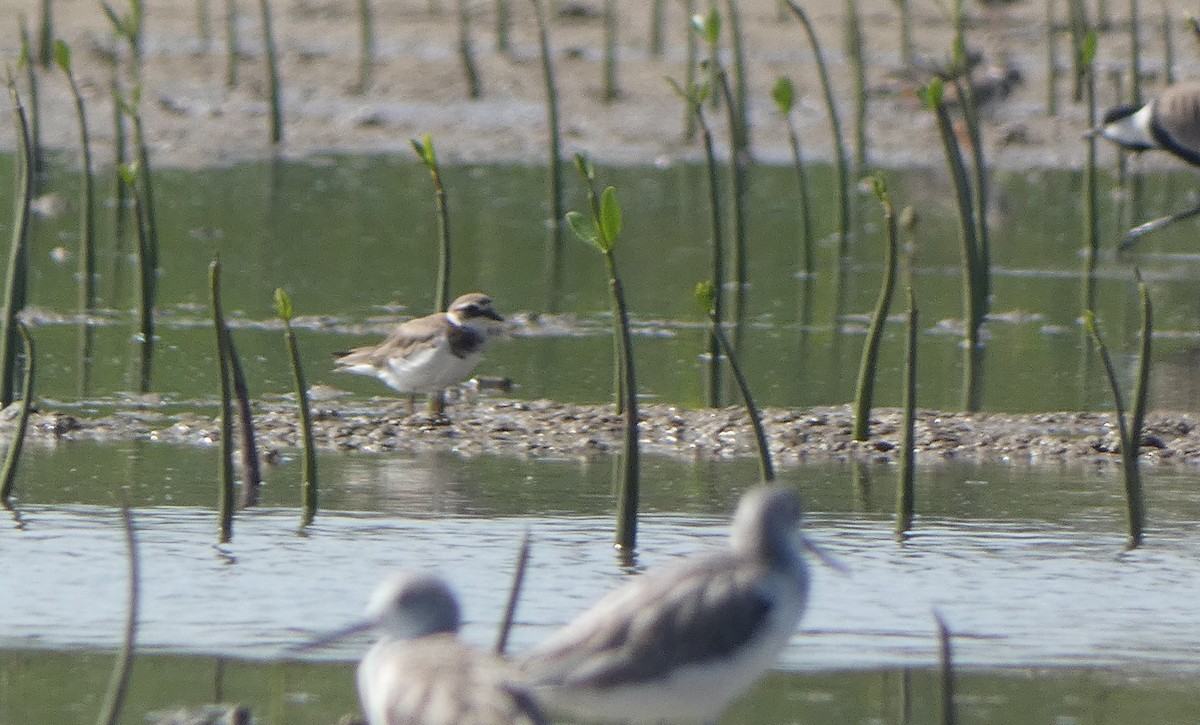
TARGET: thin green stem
(465,52)
(840,158)
(14,283)
(865,394)
(554,162)
(225,504)
(8,475)
(366,44)
(765,467)
(906,489)
(274,91)
(118,682)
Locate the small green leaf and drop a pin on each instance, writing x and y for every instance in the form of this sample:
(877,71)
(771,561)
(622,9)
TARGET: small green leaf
(1089,322)
(426,151)
(931,95)
(1088,51)
(584,166)
(283,305)
(610,216)
(23,58)
(879,188)
(705,296)
(62,56)
(784,94)
(585,229)
(128,173)
(709,26)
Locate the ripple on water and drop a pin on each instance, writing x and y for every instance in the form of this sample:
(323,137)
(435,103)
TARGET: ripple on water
(1013,592)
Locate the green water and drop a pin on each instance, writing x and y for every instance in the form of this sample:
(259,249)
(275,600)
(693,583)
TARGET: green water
(295,693)
(1057,626)
(352,239)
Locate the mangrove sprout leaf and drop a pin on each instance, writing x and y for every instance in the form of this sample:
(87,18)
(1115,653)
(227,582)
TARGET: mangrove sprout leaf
(62,56)
(879,188)
(283,305)
(585,229)
(931,95)
(709,26)
(1087,51)
(784,94)
(584,166)
(610,216)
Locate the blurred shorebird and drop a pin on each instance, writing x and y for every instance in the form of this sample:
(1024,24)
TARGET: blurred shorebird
(682,642)
(419,673)
(431,353)
(1170,122)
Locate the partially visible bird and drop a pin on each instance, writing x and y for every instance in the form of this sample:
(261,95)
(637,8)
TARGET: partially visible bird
(429,354)
(419,673)
(1170,122)
(682,642)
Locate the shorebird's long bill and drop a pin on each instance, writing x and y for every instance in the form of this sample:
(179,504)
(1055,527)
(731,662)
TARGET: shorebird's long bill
(335,636)
(825,557)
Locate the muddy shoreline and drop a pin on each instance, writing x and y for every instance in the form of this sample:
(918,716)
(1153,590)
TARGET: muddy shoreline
(548,429)
(194,118)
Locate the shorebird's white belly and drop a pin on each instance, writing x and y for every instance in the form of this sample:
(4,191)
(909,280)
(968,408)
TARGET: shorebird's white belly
(428,370)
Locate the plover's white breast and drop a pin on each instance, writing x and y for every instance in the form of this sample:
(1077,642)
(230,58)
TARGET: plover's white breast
(427,370)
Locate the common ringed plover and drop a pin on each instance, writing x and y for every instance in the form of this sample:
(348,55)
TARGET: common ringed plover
(431,353)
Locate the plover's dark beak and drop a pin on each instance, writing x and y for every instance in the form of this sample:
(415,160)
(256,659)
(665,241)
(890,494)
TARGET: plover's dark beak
(331,637)
(492,315)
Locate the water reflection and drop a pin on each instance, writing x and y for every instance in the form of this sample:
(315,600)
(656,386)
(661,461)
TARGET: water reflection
(1016,593)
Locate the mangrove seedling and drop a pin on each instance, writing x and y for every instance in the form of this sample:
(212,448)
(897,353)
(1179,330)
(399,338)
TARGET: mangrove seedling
(425,152)
(366,45)
(975,274)
(587,172)
(611,90)
(225,504)
(308,486)
(273,85)
(87,203)
(865,394)
(15,275)
(710,27)
(784,95)
(118,681)
(554,155)
(147,285)
(835,125)
(906,489)
(694,97)
(705,296)
(601,231)
(8,475)
(1130,428)
(465,52)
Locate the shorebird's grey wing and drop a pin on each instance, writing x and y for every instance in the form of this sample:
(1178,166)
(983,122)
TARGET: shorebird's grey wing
(641,632)
(1177,114)
(464,340)
(439,681)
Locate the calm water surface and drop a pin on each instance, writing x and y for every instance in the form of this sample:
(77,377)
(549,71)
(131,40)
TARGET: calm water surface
(1027,567)
(1053,621)
(352,240)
